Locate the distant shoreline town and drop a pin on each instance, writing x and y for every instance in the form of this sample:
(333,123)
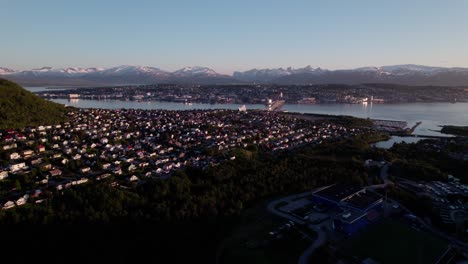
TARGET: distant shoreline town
(264,94)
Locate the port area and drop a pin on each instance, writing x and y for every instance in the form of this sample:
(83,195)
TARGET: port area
(394,128)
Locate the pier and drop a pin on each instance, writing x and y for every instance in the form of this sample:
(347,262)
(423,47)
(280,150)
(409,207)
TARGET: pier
(414,127)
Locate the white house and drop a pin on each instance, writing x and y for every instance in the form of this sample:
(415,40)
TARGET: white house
(27,153)
(14,156)
(11,146)
(3,175)
(22,200)
(17,167)
(133,178)
(8,205)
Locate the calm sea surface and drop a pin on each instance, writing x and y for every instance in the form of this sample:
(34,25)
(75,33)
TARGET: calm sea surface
(432,115)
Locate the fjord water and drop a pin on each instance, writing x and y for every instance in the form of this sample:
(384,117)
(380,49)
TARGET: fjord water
(432,115)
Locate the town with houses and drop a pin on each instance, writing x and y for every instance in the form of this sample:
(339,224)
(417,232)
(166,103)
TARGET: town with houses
(259,94)
(129,146)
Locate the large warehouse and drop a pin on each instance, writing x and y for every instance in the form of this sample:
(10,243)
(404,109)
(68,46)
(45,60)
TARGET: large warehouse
(355,207)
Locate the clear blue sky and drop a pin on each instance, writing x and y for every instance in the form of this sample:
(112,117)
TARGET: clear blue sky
(233,35)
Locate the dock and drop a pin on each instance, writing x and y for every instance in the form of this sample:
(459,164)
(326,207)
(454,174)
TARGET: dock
(414,127)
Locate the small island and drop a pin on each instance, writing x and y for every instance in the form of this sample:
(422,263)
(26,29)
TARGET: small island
(455,130)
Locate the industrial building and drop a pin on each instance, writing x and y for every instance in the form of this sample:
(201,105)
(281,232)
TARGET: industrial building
(353,207)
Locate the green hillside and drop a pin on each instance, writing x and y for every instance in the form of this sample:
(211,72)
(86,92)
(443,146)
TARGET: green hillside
(21,108)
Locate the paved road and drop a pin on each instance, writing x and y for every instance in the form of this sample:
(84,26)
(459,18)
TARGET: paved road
(383,176)
(321,236)
(271,207)
(319,241)
(384,172)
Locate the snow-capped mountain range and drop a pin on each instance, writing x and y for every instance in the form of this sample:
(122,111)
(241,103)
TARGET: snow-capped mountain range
(119,70)
(115,75)
(409,74)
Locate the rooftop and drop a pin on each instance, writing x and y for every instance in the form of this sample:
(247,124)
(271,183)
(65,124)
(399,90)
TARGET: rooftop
(338,192)
(363,200)
(349,215)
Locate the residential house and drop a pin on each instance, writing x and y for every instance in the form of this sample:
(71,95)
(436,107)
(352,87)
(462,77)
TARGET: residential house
(14,156)
(22,200)
(117,170)
(17,167)
(8,204)
(27,153)
(3,175)
(41,148)
(133,178)
(10,146)
(36,161)
(103,176)
(55,172)
(45,166)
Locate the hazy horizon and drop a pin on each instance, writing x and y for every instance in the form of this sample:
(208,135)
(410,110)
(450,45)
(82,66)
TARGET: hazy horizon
(232,36)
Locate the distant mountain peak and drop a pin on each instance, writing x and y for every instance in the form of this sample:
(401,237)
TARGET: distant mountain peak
(195,71)
(43,69)
(4,70)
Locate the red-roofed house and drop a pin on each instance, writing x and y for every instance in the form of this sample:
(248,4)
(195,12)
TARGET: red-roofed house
(41,148)
(20,137)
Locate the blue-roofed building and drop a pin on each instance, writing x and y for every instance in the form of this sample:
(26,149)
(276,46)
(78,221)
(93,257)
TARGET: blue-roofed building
(355,207)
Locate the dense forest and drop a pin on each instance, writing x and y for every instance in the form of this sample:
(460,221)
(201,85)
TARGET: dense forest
(20,108)
(455,130)
(426,161)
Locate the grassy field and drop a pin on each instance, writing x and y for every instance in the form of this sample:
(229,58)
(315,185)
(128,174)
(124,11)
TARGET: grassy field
(395,242)
(247,244)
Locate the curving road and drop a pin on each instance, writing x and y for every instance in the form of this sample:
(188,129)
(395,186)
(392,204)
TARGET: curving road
(321,239)
(271,207)
(321,236)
